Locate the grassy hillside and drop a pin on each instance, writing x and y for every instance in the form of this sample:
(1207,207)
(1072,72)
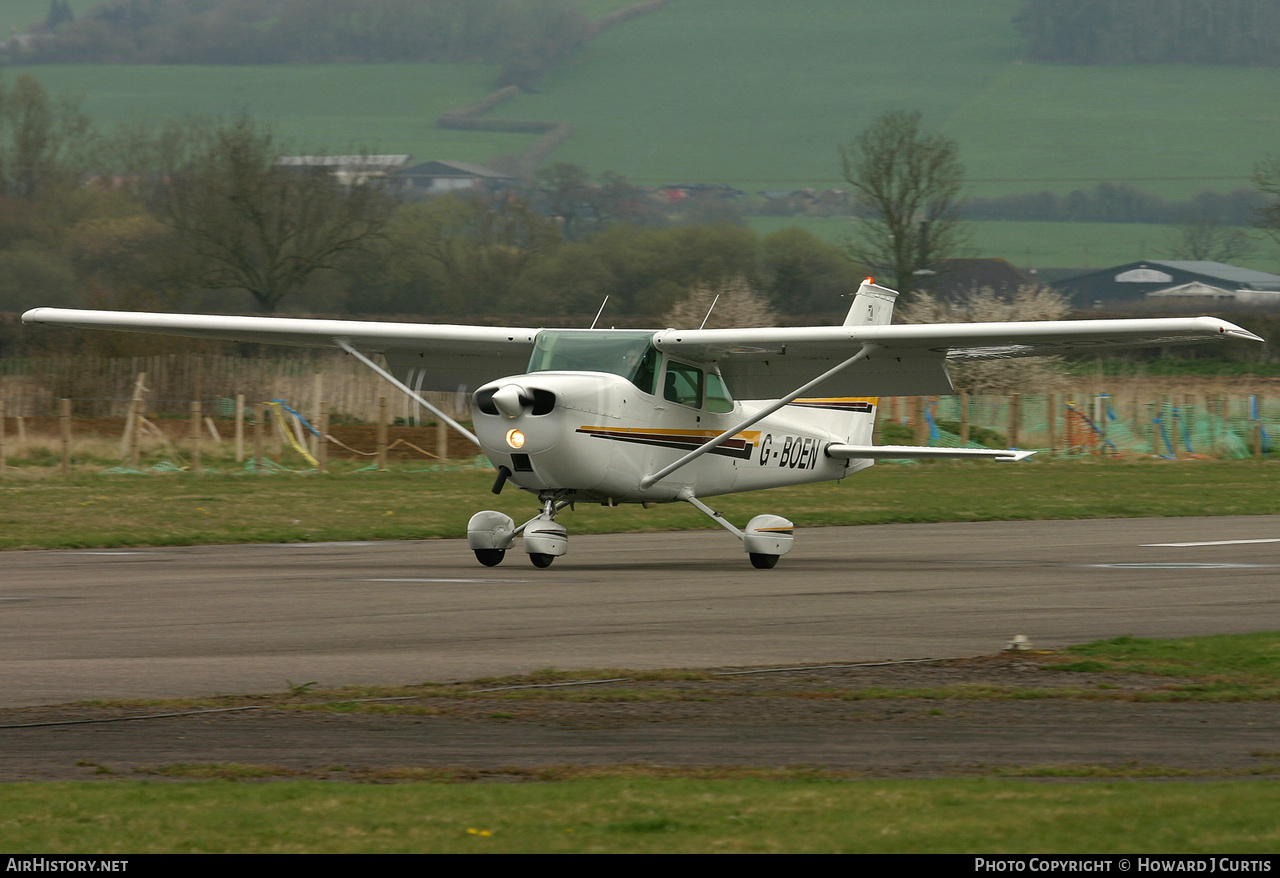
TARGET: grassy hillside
(735,90)
(759,94)
(1045,245)
(388,108)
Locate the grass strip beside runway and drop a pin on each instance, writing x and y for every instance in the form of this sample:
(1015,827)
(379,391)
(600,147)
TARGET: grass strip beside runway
(91,511)
(643,814)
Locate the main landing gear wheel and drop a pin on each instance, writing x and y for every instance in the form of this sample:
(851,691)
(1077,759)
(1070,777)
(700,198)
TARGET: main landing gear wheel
(761,561)
(490,557)
(541,560)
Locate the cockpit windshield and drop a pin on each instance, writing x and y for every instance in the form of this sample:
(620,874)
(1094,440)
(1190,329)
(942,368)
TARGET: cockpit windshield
(628,353)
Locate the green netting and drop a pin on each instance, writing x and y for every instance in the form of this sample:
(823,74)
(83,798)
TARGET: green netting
(1096,424)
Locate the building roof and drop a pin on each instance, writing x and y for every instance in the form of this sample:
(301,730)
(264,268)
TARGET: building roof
(453,169)
(344,161)
(1244,277)
(1131,282)
(1195,289)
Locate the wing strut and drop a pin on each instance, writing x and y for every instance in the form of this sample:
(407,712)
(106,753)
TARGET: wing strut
(404,388)
(648,481)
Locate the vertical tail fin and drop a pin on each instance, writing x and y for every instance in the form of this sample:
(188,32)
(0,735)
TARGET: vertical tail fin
(872,305)
(854,417)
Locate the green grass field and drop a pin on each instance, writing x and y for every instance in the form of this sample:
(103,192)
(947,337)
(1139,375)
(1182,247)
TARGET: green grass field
(643,815)
(40,510)
(739,92)
(745,92)
(1042,244)
(385,108)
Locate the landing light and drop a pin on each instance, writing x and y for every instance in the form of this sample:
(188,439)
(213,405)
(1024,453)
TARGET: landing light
(515,438)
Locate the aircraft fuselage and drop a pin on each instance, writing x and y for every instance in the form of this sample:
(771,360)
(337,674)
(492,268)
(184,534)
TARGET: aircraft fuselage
(598,435)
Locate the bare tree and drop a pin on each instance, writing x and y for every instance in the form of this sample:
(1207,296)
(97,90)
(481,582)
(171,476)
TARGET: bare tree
(907,189)
(570,196)
(250,223)
(1209,240)
(468,252)
(1266,176)
(44,141)
(985,305)
(735,303)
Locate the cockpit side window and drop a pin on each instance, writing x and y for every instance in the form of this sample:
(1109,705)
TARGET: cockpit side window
(683,384)
(718,399)
(646,373)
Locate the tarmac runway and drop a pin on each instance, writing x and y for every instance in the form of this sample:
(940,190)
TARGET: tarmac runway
(239,619)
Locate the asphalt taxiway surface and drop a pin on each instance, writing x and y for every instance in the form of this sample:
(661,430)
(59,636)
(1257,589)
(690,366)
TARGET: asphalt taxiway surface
(239,619)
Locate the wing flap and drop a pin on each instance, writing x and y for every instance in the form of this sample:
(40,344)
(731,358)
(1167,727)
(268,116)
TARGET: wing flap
(887,373)
(757,363)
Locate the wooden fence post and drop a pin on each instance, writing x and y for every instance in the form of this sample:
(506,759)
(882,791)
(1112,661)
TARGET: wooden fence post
(1015,418)
(382,433)
(277,436)
(239,428)
(964,417)
(1053,425)
(135,437)
(1157,421)
(64,424)
(258,415)
(128,441)
(322,443)
(1,437)
(1255,427)
(195,436)
(318,406)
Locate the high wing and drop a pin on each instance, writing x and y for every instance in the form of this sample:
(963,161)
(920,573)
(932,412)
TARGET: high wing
(429,356)
(909,360)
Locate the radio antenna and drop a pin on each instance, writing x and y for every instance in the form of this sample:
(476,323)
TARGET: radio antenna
(709,310)
(601,311)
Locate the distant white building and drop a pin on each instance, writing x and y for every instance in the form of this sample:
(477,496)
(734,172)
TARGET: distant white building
(1219,295)
(1155,279)
(349,169)
(439,177)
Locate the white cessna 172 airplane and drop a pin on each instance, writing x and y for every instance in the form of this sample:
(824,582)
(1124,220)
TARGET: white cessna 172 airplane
(644,416)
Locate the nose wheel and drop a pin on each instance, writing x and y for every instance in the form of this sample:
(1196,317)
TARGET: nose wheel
(490,557)
(491,533)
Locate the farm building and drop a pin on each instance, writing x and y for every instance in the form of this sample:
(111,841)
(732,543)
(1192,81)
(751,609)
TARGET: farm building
(1155,281)
(348,169)
(431,178)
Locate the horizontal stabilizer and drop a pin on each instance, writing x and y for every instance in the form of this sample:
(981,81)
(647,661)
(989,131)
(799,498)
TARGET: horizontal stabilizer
(920,452)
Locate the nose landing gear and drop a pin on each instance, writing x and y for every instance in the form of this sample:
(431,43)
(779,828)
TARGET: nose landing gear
(491,533)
